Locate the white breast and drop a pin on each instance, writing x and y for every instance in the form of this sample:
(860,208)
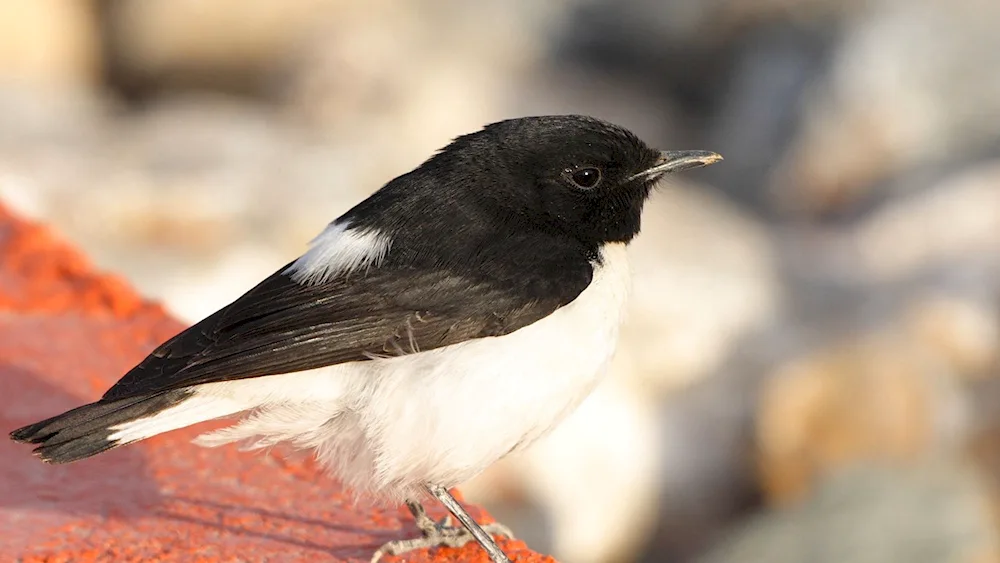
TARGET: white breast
(388,426)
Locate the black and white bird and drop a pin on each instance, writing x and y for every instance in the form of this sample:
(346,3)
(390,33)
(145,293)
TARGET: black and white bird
(453,317)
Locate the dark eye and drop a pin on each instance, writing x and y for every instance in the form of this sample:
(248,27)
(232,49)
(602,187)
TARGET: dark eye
(586,178)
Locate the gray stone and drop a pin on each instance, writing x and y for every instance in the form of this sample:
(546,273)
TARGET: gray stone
(932,513)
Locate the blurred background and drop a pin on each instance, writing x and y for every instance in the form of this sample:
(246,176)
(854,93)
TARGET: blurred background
(811,367)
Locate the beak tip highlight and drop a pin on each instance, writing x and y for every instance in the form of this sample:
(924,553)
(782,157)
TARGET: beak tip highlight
(677,161)
(685,158)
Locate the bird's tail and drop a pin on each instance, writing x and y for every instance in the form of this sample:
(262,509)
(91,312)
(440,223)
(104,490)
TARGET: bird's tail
(91,429)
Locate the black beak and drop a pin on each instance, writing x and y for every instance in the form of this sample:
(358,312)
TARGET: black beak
(676,161)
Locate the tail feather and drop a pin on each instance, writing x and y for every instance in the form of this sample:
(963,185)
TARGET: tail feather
(91,429)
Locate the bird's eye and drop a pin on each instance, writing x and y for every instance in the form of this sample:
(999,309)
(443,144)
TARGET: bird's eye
(586,178)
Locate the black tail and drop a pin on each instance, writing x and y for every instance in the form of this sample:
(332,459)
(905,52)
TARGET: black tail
(84,431)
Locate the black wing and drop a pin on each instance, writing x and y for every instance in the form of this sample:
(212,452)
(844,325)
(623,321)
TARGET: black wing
(283,326)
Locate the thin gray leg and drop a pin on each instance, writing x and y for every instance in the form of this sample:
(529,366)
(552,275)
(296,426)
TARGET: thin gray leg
(484,539)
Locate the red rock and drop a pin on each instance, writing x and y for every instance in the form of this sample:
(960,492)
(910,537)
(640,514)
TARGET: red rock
(66,334)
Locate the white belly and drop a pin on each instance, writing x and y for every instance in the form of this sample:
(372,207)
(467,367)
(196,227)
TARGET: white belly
(388,426)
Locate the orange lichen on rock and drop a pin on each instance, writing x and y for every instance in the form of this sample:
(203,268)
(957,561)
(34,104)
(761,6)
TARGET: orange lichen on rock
(66,334)
(40,273)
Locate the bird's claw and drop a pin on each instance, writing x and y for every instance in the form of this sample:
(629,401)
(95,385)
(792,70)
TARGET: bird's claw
(443,534)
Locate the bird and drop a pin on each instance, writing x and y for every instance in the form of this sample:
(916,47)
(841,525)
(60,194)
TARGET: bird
(456,315)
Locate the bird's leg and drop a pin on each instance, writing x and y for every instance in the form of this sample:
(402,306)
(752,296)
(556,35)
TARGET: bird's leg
(475,530)
(441,533)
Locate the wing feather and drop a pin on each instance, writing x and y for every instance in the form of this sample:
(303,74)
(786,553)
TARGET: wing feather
(282,326)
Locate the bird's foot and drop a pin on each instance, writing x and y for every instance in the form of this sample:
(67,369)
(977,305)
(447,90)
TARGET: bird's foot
(438,534)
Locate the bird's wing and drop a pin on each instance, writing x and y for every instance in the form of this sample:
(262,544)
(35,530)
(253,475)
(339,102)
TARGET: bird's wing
(283,326)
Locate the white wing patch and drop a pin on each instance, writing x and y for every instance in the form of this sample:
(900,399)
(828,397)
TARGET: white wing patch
(338,250)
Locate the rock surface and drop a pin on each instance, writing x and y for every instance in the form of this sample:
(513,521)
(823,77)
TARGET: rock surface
(924,513)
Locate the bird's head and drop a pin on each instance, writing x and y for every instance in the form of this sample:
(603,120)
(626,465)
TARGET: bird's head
(573,174)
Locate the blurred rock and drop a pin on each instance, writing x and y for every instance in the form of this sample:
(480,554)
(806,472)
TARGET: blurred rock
(684,50)
(955,220)
(964,333)
(906,91)
(235,45)
(930,513)
(878,396)
(802,399)
(49,44)
(773,67)
(982,445)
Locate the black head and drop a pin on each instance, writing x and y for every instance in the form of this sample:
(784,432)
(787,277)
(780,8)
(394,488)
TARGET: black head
(579,175)
(570,176)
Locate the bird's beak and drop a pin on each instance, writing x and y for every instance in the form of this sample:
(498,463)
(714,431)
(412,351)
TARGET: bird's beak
(676,161)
